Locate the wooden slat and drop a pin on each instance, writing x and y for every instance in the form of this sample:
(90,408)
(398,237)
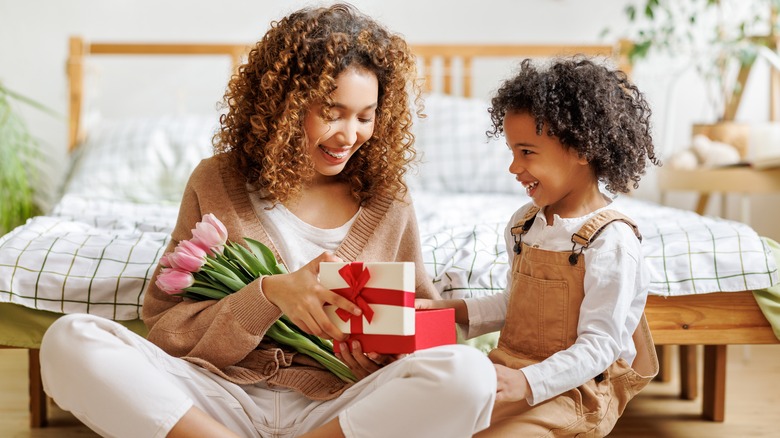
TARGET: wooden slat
(466,53)
(75,70)
(80,49)
(447,75)
(165,49)
(708,319)
(509,51)
(468,77)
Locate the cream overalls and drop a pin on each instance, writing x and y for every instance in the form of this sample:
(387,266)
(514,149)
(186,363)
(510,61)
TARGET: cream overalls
(542,316)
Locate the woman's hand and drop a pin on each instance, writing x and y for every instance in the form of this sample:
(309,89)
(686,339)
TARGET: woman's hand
(301,297)
(363,364)
(511,384)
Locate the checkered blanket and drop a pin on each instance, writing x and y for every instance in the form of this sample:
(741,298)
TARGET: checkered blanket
(97,256)
(685,253)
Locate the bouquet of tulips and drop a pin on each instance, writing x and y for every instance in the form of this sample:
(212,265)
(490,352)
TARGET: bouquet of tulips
(209,267)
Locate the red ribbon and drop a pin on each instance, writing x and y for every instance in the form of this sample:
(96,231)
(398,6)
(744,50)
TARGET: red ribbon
(356,278)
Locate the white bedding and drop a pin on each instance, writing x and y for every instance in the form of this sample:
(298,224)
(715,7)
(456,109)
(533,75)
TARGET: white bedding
(97,256)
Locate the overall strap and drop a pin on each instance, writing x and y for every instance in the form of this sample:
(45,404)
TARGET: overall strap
(593,227)
(522,227)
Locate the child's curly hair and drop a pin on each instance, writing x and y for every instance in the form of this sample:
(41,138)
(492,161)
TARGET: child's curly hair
(594,110)
(294,66)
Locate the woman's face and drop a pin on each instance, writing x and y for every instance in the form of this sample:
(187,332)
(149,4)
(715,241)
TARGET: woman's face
(349,124)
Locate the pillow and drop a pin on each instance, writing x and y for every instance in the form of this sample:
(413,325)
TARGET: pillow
(146,160)
(455,153)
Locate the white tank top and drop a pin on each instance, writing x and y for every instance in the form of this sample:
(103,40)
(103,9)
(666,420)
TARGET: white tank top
(297,241)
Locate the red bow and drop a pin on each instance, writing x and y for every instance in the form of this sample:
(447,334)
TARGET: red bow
(356,278)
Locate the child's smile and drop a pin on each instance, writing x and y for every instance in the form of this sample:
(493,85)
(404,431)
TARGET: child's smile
(554,176)
(530,187)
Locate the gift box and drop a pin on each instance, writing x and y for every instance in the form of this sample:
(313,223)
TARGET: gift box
(385,293)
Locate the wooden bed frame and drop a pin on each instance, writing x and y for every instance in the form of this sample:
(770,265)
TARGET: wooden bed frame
(713,320)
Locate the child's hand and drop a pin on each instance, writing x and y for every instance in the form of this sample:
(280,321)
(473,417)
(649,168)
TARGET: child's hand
(461,311)
(423,304)
(363,364)
(511,385)
(301,297)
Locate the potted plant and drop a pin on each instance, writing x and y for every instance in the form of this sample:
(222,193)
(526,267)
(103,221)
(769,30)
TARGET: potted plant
(19,158)
(721,39)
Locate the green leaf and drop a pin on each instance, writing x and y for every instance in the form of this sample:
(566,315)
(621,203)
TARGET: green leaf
(286,335)
(322,343)
(262,252)
(20,158)
(202,279)
(33,103)
(639,51)
(192,296)
(631,12)
(206,292)
(252,261)
(241,271)
(223,266)
(649,12)
(228,280)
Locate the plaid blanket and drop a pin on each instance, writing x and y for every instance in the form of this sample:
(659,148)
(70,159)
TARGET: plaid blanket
(685,253)
(96,256)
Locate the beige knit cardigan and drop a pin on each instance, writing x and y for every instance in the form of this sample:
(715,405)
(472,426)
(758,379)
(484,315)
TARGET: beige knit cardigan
(226,336)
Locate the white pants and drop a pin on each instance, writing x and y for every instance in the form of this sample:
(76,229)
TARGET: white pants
(121,385)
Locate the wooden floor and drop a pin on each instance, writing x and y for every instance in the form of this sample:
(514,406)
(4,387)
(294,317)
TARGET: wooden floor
(752,403)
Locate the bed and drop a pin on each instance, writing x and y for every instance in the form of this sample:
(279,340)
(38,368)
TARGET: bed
(95,251)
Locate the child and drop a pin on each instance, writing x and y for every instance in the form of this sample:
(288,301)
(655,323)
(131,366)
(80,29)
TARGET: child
(310,161)
(566,361)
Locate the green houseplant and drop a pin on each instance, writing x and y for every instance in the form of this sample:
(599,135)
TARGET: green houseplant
(720,38)
(19,158)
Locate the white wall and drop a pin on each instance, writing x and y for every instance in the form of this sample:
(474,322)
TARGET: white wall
(34,38)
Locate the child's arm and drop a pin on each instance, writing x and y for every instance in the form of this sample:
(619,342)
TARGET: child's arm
(511,384)
(461,311)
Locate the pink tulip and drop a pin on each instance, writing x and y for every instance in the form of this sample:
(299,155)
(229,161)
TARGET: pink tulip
(210,234)
(187,256)
(164,261)
(173,281)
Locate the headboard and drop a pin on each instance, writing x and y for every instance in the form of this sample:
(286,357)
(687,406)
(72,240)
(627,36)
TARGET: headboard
(450,55)
(455,62)
(81,49)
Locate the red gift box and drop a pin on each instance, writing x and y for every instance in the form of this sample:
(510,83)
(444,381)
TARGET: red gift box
(432,328)
(385,293)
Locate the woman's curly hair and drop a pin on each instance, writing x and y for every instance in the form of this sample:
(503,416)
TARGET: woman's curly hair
(589,108)
(294,66)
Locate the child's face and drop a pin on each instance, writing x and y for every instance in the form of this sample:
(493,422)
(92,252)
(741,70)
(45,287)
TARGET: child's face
(554,176)
(332,141)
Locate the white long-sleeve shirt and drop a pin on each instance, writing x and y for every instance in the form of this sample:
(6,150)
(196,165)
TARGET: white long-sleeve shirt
(615,286)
